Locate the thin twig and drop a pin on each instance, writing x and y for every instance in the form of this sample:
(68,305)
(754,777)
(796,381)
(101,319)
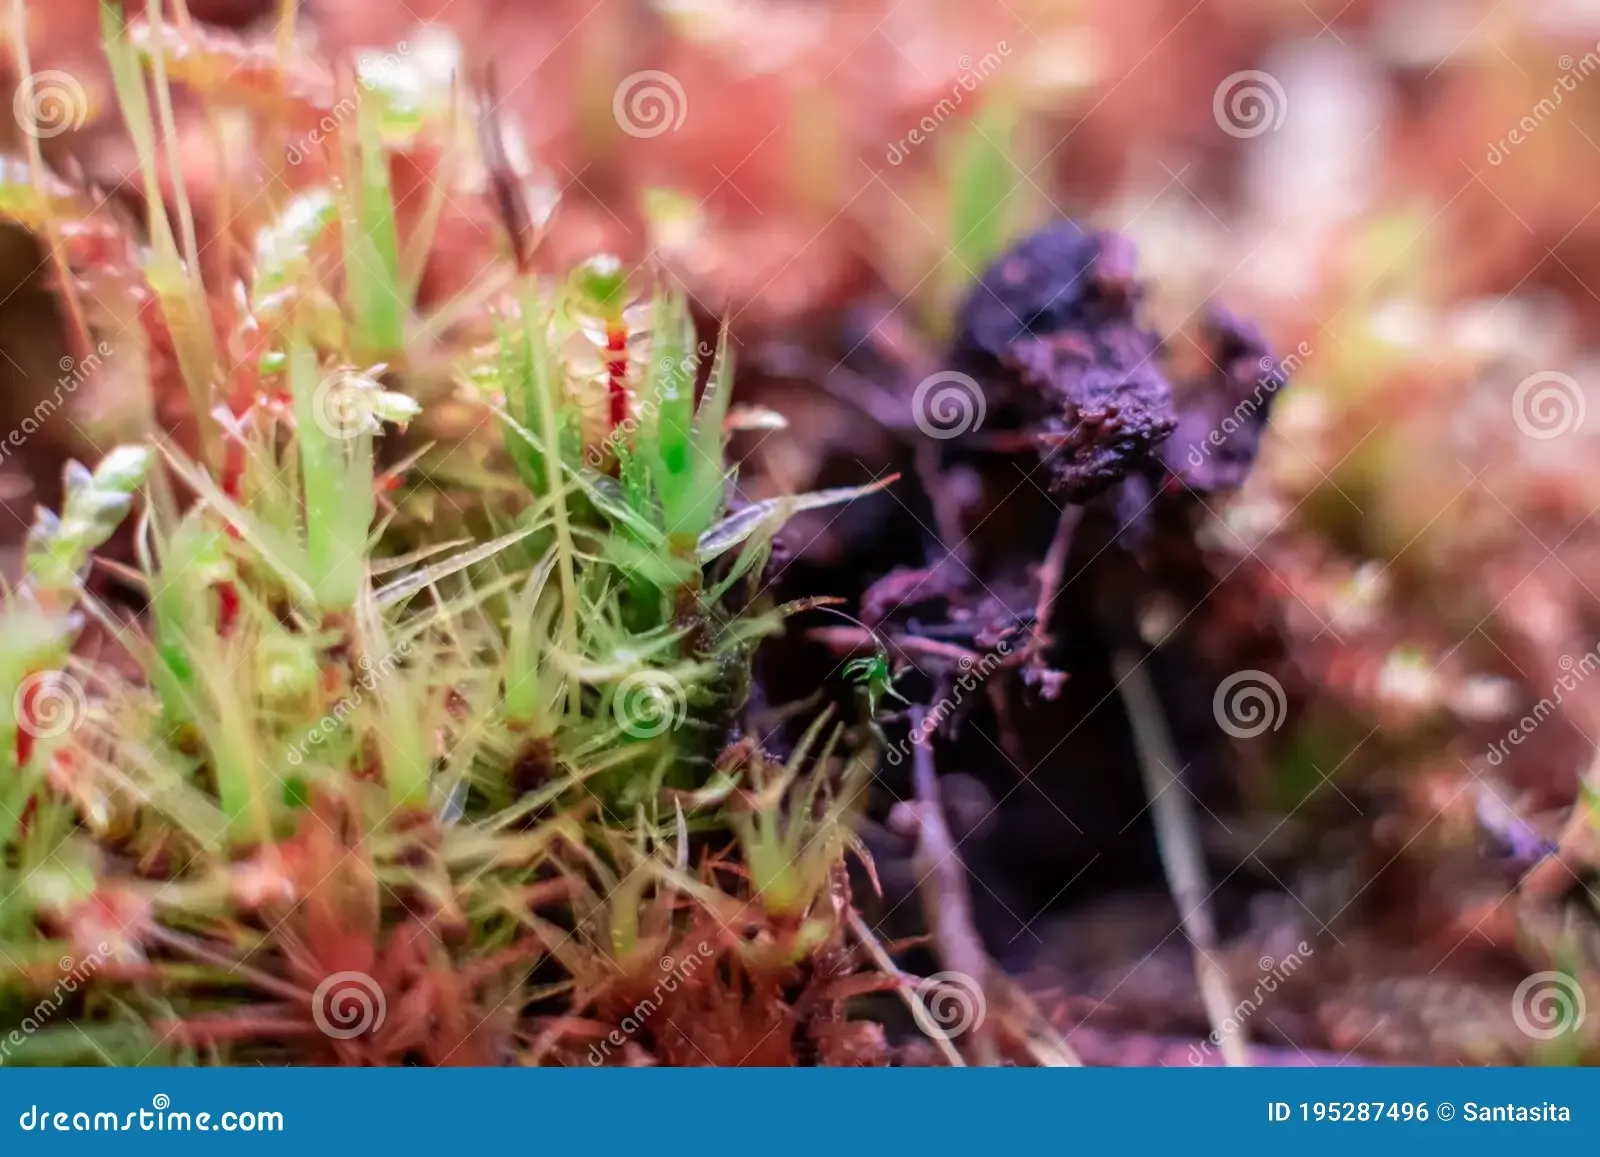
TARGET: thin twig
(906,988)
(942,885)
(1051,572)
(947,910)
(1030,1027)
(1054,565)
(848,640)
(197,949)
(1180,848)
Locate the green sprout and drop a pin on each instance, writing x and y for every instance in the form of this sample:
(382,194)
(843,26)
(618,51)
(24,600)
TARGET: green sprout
(876,680)
(449,717)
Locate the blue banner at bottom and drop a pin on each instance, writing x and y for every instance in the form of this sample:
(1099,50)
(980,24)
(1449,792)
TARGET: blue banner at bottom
(809,1112)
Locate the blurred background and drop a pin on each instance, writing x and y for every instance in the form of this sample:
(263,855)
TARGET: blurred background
(1401,193)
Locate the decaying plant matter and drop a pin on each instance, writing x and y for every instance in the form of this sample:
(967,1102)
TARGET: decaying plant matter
(1051,338)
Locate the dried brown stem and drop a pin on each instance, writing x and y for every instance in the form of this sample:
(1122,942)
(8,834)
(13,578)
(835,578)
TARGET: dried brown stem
(942,886)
